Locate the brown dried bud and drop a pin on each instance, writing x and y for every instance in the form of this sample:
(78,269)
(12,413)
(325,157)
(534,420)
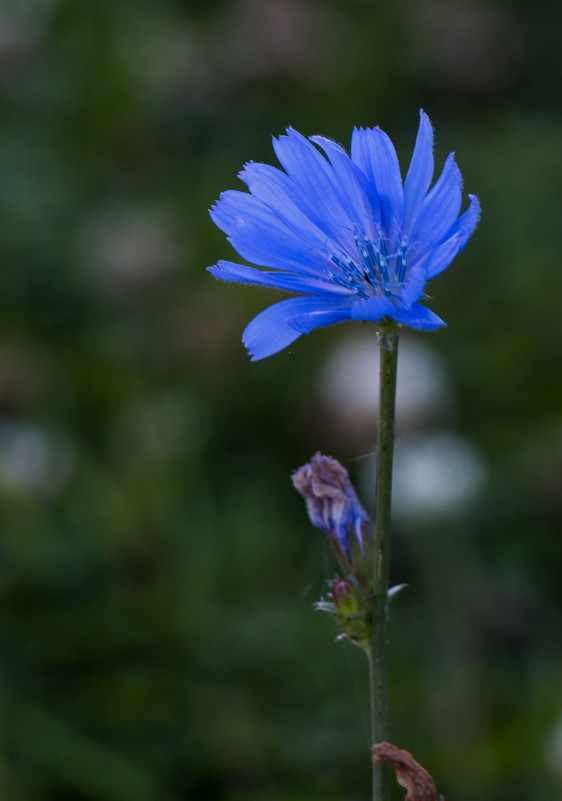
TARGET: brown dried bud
(331,501)
(409,773)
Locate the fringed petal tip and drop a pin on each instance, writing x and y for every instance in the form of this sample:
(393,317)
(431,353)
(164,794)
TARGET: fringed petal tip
(476,209)
(253,357)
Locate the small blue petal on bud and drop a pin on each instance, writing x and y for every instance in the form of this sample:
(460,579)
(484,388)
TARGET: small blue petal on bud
(332,503)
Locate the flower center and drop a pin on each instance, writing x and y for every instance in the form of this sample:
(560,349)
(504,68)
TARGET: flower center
(377,268)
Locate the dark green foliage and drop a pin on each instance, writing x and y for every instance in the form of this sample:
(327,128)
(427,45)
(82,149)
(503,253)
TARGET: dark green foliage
(157,638)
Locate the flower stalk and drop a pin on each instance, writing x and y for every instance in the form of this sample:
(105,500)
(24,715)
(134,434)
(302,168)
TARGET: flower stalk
(377,652)
(358,602)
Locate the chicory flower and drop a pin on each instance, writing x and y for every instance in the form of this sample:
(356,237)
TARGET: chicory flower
(344,232)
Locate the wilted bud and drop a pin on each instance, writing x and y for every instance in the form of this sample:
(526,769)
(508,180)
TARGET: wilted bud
(332,503)
(345,597)
(350,608)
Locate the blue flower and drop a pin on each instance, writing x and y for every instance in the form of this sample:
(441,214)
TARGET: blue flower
(332,503)
(344,232)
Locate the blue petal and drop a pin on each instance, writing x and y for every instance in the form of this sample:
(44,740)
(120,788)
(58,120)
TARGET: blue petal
(353,184)
(233,205)
(280,194)
(306,321)
(314,175)
(439,209)
(260,235)
(230,271)
(420,172)
(417,316)
(273,247)
(441,256)
(416,276)
(374,154)
(371,309)
(279,325)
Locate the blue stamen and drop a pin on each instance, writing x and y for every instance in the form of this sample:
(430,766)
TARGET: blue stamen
(375,270)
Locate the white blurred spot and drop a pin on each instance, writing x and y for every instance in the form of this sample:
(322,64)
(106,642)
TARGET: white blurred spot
(553,751)
(435,474)
(33,459)
(350,381)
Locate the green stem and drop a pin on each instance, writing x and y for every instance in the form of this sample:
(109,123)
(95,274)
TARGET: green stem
(379,635)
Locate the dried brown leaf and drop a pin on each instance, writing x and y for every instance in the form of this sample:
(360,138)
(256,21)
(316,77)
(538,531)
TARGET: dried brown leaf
(409,773)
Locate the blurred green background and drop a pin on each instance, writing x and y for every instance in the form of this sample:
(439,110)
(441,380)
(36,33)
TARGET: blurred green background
(157,569)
